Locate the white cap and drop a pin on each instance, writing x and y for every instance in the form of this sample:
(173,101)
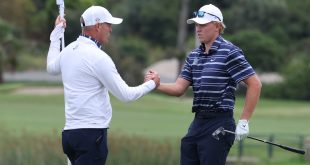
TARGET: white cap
(211,13)
(99,14)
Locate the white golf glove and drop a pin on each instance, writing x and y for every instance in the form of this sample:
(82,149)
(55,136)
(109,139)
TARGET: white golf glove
(242,130)
(58,32)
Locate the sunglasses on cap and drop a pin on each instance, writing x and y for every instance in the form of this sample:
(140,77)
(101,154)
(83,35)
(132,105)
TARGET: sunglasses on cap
(201,14)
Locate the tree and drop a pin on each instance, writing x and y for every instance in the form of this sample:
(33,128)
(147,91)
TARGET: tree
(258,14)
(19,13)
(6,38)
(297,78)
(263,52)
(1,65)
(153,21)
(130,56)
(182,33)
(297,21)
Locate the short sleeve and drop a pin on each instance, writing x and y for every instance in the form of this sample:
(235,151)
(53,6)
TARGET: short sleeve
(237,66)
(186,72)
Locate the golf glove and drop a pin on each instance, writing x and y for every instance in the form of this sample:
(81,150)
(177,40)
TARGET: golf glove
(242,130)
(58,32)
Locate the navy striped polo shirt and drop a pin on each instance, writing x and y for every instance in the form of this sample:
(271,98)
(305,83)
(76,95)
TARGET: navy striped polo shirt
(214,76)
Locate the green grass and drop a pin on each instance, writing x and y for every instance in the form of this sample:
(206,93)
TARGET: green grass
(7,88)
(158,116)
(280,116)
(153,116)
(160,119)
(36,114)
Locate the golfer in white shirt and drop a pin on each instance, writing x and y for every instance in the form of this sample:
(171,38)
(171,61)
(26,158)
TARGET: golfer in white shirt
(88,74)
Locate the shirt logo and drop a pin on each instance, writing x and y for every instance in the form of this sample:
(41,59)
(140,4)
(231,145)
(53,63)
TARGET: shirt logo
(195,62)
(76,46)
(212,59)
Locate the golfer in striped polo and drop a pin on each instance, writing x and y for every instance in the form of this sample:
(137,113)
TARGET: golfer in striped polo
(213,70)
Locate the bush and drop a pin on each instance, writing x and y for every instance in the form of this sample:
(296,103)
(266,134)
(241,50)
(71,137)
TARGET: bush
(297,78)
(29,62)
(263,52)
(130,56)
(296,84)
(274,91)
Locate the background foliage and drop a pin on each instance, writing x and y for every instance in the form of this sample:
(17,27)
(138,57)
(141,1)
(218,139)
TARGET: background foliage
(273,34)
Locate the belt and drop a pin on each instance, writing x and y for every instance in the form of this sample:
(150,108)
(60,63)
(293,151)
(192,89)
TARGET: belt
(208,114)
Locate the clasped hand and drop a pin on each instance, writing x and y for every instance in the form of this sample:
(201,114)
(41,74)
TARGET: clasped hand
(152,75)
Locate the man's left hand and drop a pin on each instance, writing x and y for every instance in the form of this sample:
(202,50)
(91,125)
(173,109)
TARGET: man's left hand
(242,130)
(59,30)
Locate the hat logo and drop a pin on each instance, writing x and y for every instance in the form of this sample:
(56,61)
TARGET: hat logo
(97,19)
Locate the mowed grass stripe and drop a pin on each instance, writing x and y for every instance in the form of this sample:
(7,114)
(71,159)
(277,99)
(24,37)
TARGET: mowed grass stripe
(153,116)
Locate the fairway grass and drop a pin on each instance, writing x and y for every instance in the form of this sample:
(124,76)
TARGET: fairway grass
(162,119)
(153,116)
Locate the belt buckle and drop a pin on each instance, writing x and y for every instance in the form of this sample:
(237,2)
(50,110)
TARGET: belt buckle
(202,111)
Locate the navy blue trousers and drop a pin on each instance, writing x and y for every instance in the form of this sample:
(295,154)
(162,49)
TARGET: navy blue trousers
(85,146)
(199,147)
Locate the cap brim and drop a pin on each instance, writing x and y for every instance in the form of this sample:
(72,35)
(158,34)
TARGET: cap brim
(198,21)
(115,20)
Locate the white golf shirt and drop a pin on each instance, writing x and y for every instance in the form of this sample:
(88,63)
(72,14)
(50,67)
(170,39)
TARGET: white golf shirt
(88,73)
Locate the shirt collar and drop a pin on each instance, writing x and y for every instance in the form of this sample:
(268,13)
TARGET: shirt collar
(93,39)
(215,45)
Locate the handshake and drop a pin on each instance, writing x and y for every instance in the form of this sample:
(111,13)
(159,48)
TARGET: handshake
(152,75)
